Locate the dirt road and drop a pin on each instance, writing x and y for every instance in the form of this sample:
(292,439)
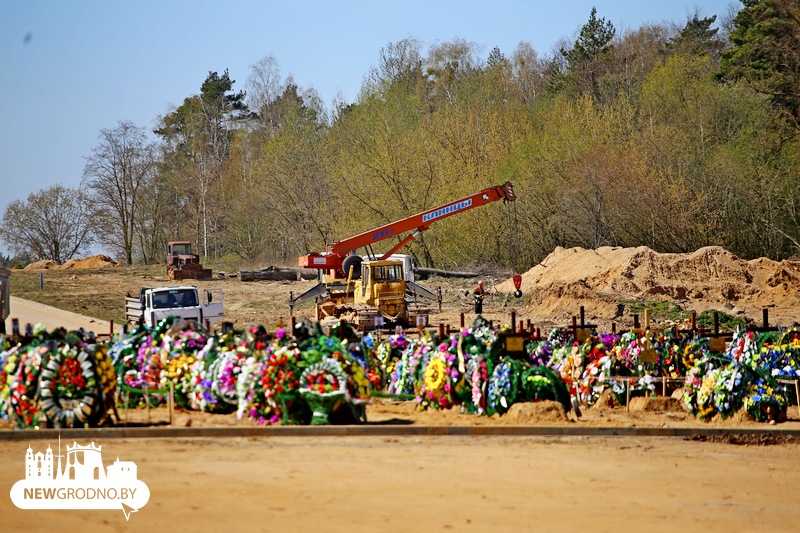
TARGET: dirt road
(433,483)
(29,312)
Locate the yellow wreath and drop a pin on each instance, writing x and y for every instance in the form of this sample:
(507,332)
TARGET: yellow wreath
(435,374)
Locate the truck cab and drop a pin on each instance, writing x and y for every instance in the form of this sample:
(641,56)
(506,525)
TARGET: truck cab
(186,302)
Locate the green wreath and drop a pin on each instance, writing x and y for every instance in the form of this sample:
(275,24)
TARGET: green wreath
(541,383)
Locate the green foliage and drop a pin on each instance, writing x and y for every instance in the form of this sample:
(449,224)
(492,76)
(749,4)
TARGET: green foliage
(594,39)
(216,92)
(697,38)
(659,311)
(668,311)
(726,322)
(588,60)
(765,39)
(197,138)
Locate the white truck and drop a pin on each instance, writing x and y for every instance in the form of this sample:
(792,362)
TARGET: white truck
(186,302)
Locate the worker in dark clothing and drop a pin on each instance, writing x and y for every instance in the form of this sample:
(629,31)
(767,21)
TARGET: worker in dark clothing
(478,295)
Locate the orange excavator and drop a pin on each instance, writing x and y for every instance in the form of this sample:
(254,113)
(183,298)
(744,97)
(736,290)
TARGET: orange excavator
(372,291)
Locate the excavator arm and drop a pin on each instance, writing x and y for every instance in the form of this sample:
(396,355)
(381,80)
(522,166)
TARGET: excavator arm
(333,259)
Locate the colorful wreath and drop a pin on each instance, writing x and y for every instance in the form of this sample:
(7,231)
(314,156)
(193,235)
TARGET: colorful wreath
(246,388)
(696,351)
(227,375)
(8,365)
(105,369)
(23,401)
(408,370)
(477,376)
(178,371)
(436,383)
(503,387)
(359,384)
(324,378)
(69,395)
(275,388)
(782,359)
(323,385)
(765,401)
(138,365)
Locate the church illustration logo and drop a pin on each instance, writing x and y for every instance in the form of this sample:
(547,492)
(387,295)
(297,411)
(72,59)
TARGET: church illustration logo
(79,482)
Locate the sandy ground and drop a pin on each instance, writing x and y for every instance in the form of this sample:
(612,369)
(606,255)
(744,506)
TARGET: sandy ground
(437,484)
(442,483)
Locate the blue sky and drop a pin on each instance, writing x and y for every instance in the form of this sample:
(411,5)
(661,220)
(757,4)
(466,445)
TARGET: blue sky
(70,68)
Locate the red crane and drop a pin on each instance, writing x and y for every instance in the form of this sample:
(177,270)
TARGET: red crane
(334,259)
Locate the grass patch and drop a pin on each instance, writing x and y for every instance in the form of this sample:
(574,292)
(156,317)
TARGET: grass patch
(262,305)
(663,311)
(659,311)
(71,290)
(726,322)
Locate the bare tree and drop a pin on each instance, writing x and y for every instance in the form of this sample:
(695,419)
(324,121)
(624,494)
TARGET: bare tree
(528,72)
(399,63)
(119,174)
(51,224)
(264,86)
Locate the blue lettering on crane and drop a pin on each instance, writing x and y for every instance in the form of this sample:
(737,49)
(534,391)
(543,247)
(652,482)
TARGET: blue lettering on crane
(382,234)
(447,210)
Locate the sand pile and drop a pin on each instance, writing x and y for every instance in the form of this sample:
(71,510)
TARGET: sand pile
(45,264)
(710,278)
(537,412)
(658,404)
(90,263)
(96,261)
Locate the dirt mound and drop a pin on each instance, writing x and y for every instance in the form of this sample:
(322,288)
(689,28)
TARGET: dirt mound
(606,401)
(90,263)
(656,405)
(536,412)
(45,264)
(709,278)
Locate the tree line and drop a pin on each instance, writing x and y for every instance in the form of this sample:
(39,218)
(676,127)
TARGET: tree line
(669,137)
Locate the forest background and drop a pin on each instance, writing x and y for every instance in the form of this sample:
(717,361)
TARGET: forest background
(671,138)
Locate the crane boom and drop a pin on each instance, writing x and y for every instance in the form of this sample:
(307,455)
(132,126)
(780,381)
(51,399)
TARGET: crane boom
(333,258)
